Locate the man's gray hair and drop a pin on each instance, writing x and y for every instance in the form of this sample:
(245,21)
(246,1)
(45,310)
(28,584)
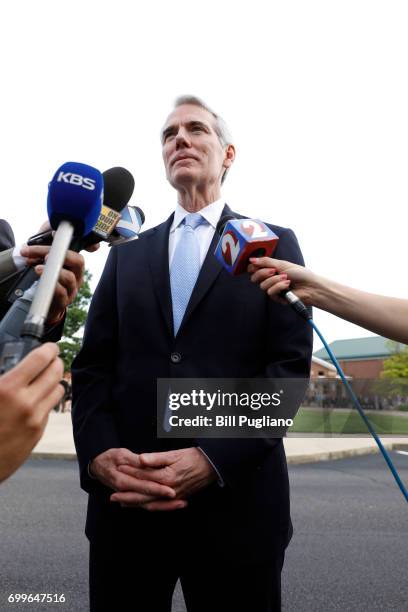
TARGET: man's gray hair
(221,128)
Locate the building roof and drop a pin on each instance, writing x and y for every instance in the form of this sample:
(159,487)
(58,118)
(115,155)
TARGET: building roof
(370,347)
(323,363)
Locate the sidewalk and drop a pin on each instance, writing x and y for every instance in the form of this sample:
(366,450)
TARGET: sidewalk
(57,442)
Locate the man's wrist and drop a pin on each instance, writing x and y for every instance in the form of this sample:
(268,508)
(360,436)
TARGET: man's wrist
(90,474)
(220,480)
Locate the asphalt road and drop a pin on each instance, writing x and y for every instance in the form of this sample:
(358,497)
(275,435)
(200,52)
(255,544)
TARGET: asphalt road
(349,551)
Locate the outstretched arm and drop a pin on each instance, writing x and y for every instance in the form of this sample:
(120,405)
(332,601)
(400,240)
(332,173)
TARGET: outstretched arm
(386,316)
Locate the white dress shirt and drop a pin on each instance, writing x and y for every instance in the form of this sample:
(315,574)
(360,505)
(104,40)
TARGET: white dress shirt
(203,232)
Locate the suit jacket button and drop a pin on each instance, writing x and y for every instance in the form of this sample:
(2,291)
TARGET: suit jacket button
(175,357)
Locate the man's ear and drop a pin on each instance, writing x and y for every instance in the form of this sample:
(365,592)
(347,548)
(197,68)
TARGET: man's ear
(229,156)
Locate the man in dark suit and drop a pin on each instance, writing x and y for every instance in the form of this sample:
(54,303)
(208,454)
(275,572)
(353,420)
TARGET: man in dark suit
(212,512)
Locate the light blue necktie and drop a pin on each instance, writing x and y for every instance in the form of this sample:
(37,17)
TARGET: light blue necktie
(184,272)
(185,268)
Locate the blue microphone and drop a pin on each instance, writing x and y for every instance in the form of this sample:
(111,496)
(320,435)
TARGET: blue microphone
(74,205)
(75,195)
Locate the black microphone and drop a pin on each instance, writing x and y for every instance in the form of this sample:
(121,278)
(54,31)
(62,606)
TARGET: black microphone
(117,191)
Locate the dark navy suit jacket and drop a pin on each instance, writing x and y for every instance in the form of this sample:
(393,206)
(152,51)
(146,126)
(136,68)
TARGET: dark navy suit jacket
(231,329)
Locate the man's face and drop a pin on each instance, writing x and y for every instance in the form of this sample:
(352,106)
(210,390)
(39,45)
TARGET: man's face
(192,152)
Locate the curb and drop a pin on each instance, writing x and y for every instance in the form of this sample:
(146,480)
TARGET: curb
(334,455)
(344,454)
(53,455)
(400,446)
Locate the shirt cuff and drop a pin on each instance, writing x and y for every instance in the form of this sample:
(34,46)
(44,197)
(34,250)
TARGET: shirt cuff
(89,472)
(19,261)
(220,481)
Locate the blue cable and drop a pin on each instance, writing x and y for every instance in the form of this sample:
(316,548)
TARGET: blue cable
(361,412)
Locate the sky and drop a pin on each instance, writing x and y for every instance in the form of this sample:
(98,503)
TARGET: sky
(315,94)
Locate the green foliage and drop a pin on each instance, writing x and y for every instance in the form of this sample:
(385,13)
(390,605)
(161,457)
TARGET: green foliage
(74,322)
(396,366)
(396,371)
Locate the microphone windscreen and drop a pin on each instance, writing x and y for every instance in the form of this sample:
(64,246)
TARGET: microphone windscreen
(118,187)
(75,194)
(242,239)
(131,221)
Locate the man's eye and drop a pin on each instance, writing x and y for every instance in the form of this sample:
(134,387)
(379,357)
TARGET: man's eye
(197,128)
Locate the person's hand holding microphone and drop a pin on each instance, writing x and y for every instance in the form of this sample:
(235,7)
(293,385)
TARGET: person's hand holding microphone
(27,394)
(29,385)
(383,315)
(275,276)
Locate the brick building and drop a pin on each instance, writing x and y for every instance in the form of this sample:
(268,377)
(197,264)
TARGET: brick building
(322,369)
(361,357)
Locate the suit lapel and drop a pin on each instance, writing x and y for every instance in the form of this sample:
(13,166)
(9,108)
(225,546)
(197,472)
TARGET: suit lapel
(159,266)
(209,271)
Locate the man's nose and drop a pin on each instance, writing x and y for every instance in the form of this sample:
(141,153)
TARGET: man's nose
(182,139)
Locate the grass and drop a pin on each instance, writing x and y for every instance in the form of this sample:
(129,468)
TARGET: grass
(311,420)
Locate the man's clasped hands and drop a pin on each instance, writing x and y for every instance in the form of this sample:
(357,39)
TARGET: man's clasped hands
(153,481)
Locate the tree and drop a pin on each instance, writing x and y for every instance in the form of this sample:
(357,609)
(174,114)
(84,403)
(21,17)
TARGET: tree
(396,366)
(395,370)
(74,323)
